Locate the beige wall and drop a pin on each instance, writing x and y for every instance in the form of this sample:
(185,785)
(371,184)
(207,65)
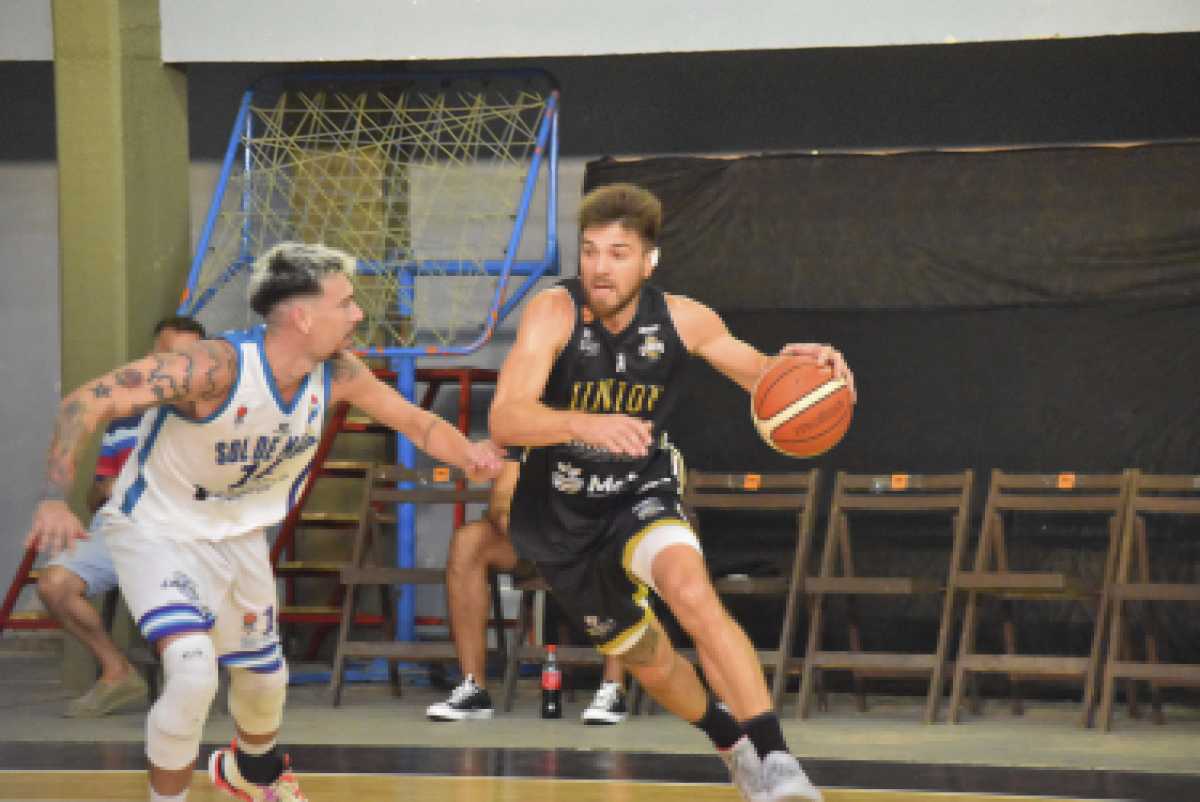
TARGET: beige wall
(381,30)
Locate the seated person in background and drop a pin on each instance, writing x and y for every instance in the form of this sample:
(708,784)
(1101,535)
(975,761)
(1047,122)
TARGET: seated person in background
(477,547)
(87,569)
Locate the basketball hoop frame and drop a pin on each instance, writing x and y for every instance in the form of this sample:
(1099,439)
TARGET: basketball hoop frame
(504,299)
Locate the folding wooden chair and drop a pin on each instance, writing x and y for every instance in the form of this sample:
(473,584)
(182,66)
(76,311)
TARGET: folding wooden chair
(786,492)
(790,493)
(437,486)
(1151,498)
(523,651)
(1041,499)
(942,502)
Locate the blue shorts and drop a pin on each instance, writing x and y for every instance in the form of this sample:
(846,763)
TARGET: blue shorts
(90,561)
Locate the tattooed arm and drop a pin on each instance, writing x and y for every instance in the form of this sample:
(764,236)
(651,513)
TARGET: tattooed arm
(354,383)
(193,380)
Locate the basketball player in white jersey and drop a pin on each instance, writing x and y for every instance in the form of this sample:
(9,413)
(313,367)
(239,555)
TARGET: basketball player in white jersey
(221,454)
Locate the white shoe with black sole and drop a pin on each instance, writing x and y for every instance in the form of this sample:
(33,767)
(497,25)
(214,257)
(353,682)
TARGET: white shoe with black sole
(467,702)
(608,705)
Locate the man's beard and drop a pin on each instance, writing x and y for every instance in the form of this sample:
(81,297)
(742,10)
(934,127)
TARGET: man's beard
(620,305)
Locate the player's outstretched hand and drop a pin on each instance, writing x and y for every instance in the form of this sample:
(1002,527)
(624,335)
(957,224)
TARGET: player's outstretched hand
(620,434)
(55,528)
(484,461)
(824,354)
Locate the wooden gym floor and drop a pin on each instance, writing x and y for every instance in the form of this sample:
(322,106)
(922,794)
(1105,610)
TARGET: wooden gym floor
(378,747)
(112,771)
(130,787)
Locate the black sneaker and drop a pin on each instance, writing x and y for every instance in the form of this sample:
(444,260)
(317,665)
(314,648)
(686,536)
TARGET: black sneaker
(467,701)
(608,706)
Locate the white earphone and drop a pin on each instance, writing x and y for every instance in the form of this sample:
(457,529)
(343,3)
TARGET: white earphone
(654,257)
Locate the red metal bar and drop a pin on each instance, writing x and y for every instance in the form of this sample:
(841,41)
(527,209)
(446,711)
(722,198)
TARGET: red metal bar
(431,392)
(286,539)
(14,590)
(287,530)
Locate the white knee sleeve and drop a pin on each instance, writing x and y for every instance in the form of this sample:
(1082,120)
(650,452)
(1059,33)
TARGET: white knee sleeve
(256,699)
(663,534)
(175,722)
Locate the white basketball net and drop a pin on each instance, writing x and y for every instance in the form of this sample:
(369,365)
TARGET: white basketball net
(425,177)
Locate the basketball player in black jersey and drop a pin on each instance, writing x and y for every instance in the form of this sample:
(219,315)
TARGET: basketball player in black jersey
(587,387)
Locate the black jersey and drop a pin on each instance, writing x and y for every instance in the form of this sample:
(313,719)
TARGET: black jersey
(566,492)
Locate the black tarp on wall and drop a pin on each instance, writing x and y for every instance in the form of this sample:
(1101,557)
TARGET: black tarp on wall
(1047,388)
(927,229)
(1027,310)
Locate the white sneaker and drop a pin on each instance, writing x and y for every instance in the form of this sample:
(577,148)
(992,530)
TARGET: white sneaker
(744,767)
(467,701)
(608,705)
(782,780)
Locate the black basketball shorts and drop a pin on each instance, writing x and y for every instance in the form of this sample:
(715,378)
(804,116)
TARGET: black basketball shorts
(600,590)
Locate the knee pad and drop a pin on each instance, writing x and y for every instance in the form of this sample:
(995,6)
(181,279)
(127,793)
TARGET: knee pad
(256,698)
(641,563)
(176,720)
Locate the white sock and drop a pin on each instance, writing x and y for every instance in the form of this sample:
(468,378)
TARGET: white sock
(247,748)
(155,796)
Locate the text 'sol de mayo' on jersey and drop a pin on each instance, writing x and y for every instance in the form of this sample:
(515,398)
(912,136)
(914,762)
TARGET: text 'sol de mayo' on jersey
(235,471)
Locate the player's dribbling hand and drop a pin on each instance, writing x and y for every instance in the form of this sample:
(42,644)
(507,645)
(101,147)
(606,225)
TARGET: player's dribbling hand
(55,528)
(620,434)
(824,354)
(485,460)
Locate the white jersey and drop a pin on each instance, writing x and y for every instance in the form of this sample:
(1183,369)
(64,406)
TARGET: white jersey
(233,472)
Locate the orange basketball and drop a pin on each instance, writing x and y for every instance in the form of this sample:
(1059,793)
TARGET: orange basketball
(799,408)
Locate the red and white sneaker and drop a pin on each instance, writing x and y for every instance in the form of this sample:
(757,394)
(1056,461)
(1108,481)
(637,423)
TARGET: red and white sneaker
(223,771)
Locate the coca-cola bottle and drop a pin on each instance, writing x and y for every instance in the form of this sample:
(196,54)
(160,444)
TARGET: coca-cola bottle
(551,685)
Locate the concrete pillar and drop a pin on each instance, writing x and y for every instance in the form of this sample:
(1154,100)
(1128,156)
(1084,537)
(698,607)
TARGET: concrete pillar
(123,192)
